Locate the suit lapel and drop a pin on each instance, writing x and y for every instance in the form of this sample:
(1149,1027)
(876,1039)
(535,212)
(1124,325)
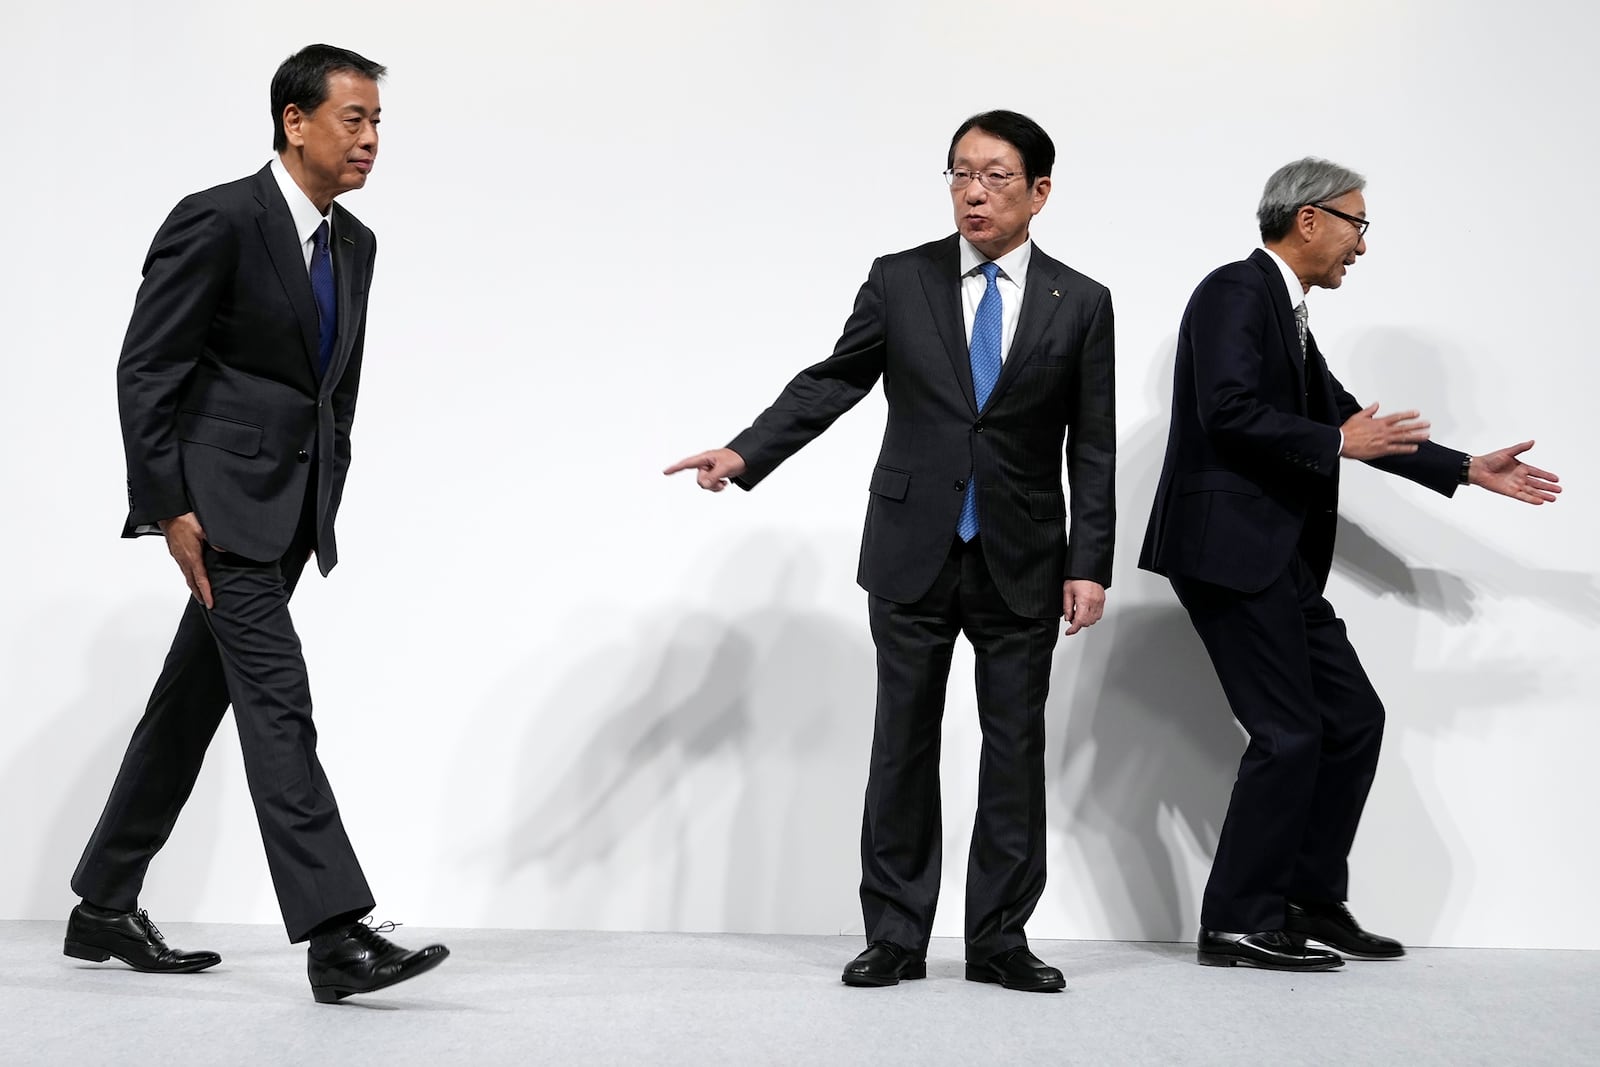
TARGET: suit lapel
(941,284)
(283,246)
(1041,298)
(1285,315)
(345,265)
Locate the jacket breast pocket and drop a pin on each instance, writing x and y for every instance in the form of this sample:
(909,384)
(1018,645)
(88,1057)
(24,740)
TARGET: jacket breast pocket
(889,483)
(230,435)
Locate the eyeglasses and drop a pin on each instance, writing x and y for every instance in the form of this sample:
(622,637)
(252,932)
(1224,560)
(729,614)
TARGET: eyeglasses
(992,180)
(1357,221)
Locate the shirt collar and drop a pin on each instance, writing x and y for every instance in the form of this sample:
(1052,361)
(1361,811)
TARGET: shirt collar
(304,213)
(1297,292)
(1014,264)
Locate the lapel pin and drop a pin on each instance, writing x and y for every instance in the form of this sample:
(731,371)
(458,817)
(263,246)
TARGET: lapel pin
(347,240)
(1055,292)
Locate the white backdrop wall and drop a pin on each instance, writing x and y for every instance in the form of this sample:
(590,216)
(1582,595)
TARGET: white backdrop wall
(558,690)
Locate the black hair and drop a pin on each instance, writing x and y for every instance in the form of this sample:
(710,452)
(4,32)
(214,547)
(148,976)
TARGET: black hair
(1038,152)
(302,80)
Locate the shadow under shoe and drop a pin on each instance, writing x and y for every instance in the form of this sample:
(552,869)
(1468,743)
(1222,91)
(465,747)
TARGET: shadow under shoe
(131,937)
(1273,950)
(1331,924)
(364,961)
(884,963)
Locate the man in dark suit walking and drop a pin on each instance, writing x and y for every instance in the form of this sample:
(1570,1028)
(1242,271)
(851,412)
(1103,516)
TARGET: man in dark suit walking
(995,360)
(237,388)
(1243,527)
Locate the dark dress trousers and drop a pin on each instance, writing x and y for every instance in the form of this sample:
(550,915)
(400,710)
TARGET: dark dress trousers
(1054,397)
(226,412)
(1243,527)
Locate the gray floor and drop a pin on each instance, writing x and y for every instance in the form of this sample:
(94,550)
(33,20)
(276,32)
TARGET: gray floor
(558,997)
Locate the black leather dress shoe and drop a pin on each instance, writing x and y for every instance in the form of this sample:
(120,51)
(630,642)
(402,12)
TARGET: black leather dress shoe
(884,963)
(1332,924)
(1272,949)
(1017,968)
(131,937)
(364,961)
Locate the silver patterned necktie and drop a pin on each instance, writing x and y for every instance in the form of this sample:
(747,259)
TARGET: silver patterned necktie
(1300,326)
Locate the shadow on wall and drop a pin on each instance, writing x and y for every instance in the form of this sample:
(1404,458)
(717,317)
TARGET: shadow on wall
(1148,743)
(61,777)
(751,726)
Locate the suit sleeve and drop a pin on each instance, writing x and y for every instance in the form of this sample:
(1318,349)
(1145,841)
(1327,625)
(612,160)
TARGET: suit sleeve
(1431,465)
(190,262)
(818,395)
(1092,453)
(1226,329)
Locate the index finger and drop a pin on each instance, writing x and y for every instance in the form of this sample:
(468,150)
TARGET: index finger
(699,462)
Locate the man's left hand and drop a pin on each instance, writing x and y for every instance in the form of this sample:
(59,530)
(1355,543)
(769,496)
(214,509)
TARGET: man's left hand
(1502,472)
(1082,603)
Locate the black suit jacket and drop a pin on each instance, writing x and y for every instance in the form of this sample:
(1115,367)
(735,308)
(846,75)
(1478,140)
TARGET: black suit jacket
(1252,466)
(1055,389)
(223,410)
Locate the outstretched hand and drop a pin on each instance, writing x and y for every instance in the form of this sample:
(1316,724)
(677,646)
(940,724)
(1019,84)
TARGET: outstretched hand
(1367,435)
(1502,472)
(712,469)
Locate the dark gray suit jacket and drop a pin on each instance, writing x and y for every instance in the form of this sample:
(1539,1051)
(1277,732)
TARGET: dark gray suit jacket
(1055,397)
(1251,474)
(223,409)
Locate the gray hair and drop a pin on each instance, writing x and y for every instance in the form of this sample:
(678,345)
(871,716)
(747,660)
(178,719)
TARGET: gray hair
(1294,185)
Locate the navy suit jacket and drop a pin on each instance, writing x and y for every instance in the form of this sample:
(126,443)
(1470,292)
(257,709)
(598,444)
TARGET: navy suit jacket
(1251,473)
(223,406)
(1055,398)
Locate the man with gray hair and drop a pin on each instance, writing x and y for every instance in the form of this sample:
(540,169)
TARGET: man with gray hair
(1243,527)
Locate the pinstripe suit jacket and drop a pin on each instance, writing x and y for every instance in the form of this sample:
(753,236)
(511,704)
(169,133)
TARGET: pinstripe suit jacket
(223,407)
(1055,399)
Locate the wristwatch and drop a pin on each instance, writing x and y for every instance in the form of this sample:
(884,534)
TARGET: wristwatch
(1466,470)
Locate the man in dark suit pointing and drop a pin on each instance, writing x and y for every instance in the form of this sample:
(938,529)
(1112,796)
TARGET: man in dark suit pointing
(1243,527)
(996,360)
(237,388)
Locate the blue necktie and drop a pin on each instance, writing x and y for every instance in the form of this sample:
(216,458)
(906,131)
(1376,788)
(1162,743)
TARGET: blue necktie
(322,292)
(985,372)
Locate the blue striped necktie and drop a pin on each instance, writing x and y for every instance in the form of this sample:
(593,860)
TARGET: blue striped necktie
(322,292)
(985,353)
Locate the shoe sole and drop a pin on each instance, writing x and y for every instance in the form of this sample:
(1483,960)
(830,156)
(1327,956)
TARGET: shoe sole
(1350,953)
(1217,959)
(980,974)
(95,954)
(332,994)
(913,971)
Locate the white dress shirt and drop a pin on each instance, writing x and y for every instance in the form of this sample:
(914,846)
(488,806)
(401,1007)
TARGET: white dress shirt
(1013,276)
(304,213)
(1291,282)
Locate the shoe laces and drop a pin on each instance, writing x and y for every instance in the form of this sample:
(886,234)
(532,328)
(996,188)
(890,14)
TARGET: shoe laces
(371,933)
(150,927)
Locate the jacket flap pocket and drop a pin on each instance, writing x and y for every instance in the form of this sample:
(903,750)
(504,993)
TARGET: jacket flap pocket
(240,438)
(1219,481)
(1047,504)
(888,482)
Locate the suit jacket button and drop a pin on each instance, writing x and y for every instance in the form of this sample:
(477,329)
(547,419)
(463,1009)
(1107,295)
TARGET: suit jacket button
(978,427)
(960,485)
(303,456)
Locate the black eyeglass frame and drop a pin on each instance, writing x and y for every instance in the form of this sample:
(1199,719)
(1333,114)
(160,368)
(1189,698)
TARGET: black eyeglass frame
(1357,221)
